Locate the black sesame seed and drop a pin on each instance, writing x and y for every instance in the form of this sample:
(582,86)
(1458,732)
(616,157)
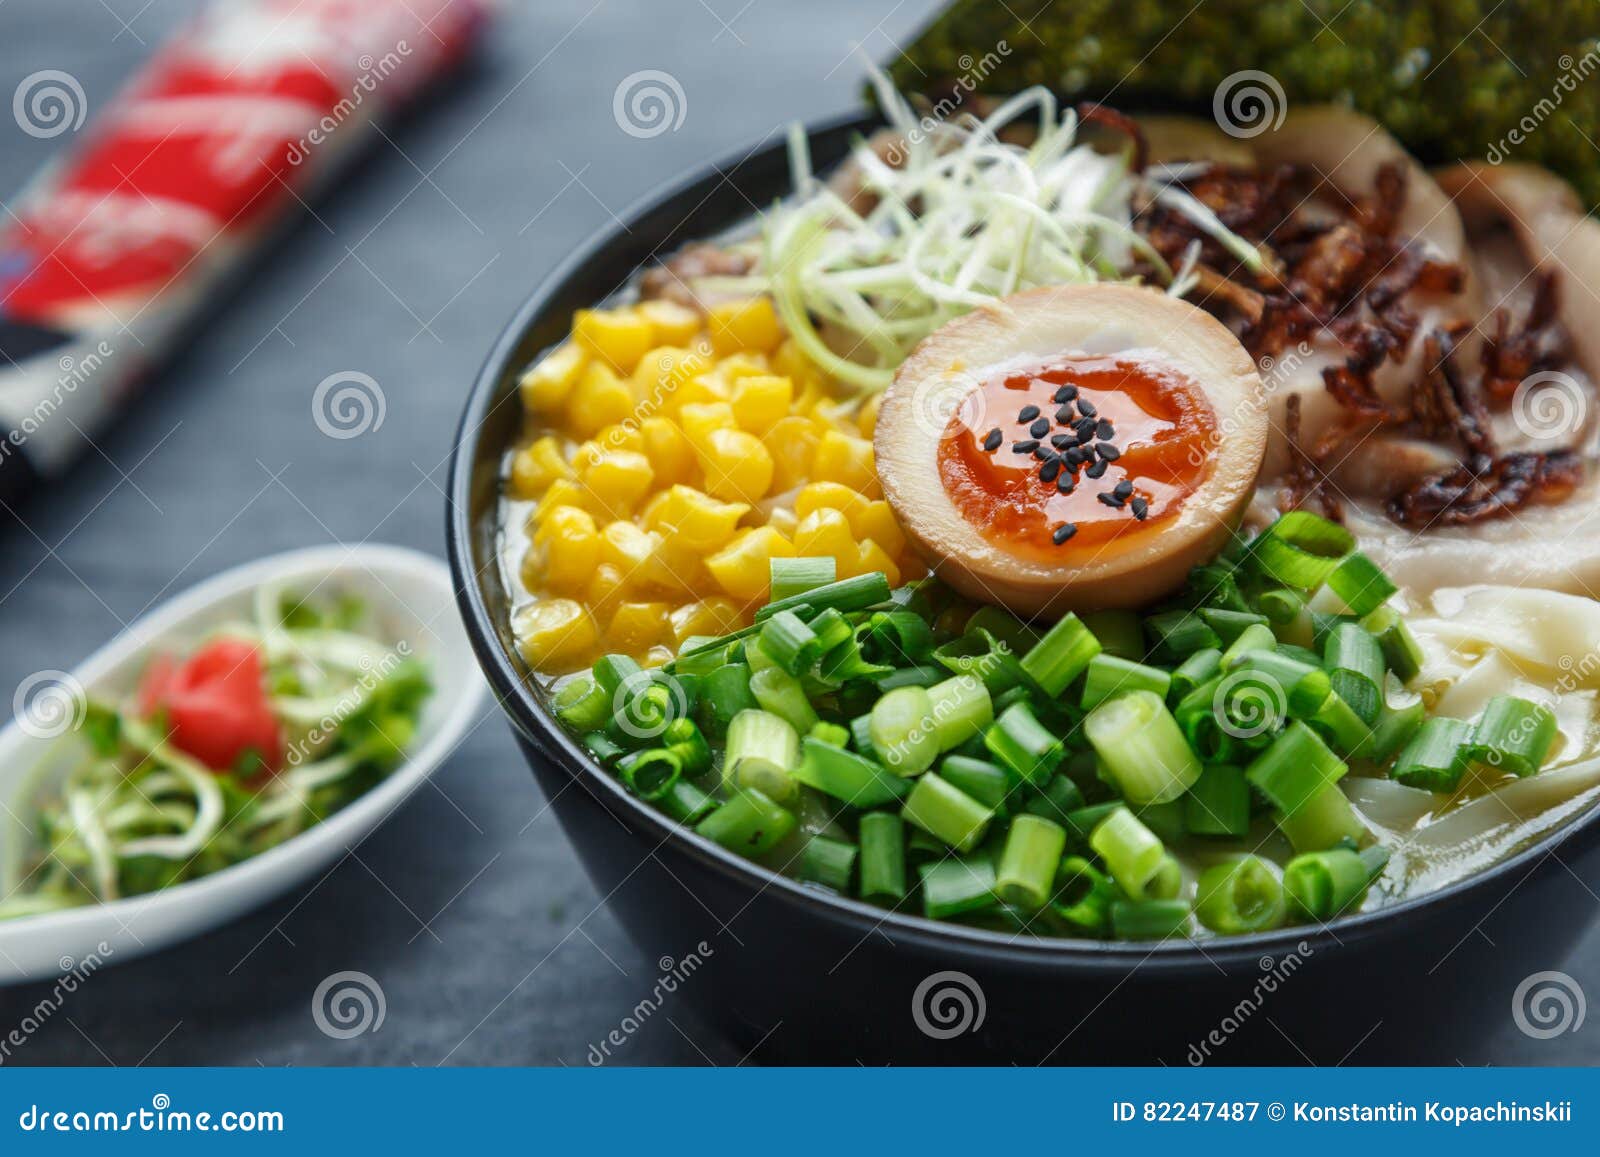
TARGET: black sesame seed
(1066,393)
(1025,447)
(992,441)
(1027,413)
(1109,499)
(1122,489)
(1061,441)
(1086,408)
(1040,428)
(1066,416)
(1066,482)
(1107,451)
(1063,532)
(1095,471)
(1140,508)
(1105,429)
(1048,472)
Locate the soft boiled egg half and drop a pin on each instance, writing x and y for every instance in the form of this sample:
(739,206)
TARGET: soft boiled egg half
(1073,448)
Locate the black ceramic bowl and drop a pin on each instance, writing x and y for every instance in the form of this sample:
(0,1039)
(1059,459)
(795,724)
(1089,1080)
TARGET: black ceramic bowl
(803,975)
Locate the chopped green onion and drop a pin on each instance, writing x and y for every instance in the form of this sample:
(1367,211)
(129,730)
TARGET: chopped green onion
(1358,581)
(1060,657)
(981,654)
(851,594)
(946,812)
(1083,898)
(832,629)
(1256,637)
(1003,626)
(1118,632)
(1149,919)
(983,781)
(687,803)
(1437,755)
(1393,730)
(883,856)
(1239,897)
(828,862)
(605,750)
(1132,853)
(961,709)
(685,740)
(1338,722)
(1295,768)
(796,576)
(1513,735)
(763,752)
(1323,884)
(1082,821)
(953,887)
(833,734)
(846,661)
(1197,669)
(1280,606)
(1231,625)
(1179,634)
(1219,802)
(1028,862)
(1302,687)
(650,774)
(846,776)
(749,822)
(1056,800)
(1022,744)
(900,636)
(924,676)
(582,704)
(902,731)
(780,693)
(1354,661)
(1400,648)
(612,672)
(1108,676)
(724,693)
(861,735)
(1301,549)
(1322,822)
(1142,747)
(793,645)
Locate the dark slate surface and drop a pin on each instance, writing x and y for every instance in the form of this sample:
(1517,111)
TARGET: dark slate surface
(489,943)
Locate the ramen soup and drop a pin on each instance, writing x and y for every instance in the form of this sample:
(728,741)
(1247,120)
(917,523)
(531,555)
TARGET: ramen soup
(1050,526)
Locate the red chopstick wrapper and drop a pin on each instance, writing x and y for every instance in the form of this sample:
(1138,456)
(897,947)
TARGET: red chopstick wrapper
(213,148)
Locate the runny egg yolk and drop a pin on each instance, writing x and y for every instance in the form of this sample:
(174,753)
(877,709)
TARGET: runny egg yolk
(1077,453)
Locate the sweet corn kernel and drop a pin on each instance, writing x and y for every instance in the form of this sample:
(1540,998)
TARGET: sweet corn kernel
(827,532)
(699,390)
(545,386)
(620,336)
(714,616)
(830,496)
(841,458)
(658,656)
(671,322)
(737,466)
(627,548)
(620,436)
(867,419)
(784,521)
(605,590)
(760,400)
(872,557)
(535,467)
(695,520)
(662,372)
(562,492)
(671,456)
(555,634)
(734,368)
(876,520)
(675,569)
(598,400)
(790,360)
(636,627)
(744,325)
(618,479)
(571,548)
(743,568)
(792,442)
(699,419)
